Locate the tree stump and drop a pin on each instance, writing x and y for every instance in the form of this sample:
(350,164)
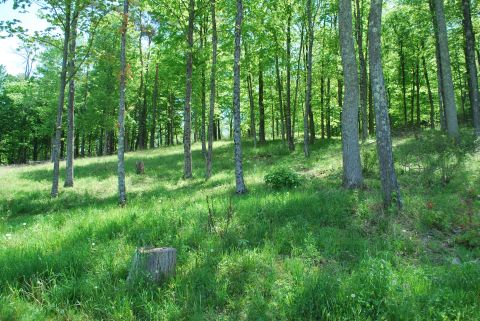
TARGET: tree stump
(153,265)
(140,167)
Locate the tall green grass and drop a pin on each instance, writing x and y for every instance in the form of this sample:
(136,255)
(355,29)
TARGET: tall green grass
(314,252)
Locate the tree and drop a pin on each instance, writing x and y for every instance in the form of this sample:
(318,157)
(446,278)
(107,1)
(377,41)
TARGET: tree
(446,67)
(471,65)
(211,113)
(352,169)
(122,194)
(237,131)
(61,97)
(187,129)
(388,177)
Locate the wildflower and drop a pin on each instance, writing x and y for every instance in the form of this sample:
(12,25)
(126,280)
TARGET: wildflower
(353,295)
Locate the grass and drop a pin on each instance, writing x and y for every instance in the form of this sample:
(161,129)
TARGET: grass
(313,252)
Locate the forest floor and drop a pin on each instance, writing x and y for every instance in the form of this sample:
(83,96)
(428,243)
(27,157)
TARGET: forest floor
(313,252)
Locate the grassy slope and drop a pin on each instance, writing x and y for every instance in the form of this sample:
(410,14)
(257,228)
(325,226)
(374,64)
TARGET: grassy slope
(314,252)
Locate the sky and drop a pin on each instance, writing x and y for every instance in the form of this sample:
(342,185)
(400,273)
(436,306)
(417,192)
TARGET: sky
(30,21)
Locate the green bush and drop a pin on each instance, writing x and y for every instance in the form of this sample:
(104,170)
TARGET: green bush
(282,177)
(369,161)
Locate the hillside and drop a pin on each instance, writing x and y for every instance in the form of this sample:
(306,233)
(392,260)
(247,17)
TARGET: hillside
(313,252)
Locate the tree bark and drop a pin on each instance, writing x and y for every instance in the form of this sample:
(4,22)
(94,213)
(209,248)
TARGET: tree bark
(237,131)
(211,115)
(288,118)
(471,65)
(122,194)
(308,94)
(363,68)
(203,136)
(384,141)
(71,102)
(261,107)
(60,103)
(153,128)
(155,265)
(187,129)
(430,95)
(352,169)
(447,81)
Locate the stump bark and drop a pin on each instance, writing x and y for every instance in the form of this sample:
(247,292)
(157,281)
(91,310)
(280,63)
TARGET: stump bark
(140,167)
(154,265)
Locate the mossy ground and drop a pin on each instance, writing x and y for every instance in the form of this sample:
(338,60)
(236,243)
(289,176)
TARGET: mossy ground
(314,252)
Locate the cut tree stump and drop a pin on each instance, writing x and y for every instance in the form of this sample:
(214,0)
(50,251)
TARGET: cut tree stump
(154,265)
(140,167)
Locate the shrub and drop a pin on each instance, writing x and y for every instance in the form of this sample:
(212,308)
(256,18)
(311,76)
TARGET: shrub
(369,161)
(282,177)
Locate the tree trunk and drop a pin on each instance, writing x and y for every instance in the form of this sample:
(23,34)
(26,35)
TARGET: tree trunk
(211,114)
(417,85)
(60,103)
(447,81)
(295,100)
(155,265)
(279,90)
(71,102)
(288,118)
(329,126)
(443,125)
(253,132)
(352,169)
(363,68)
(384,141)
(471,65)
(153,129)
(187,129)
(237,134)
(404,84)
(122,194)
(203,40)
(430,95)
(308,94)
(261,107)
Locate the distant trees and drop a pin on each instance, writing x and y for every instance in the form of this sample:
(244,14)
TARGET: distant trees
(292,54)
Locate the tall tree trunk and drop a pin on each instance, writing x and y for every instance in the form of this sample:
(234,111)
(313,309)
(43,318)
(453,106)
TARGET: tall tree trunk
(404,83)
(430,95)
(447,81)
(288,118)
(153,129)
(322,105)
(122,194)
(71,102)
(384,141)
(308,94)
(443,124)
(261,106)
(363,68)
(371,114)
(211,113)
(253,132)
(412,97)
(237,134)
(203,41)
(471,65)
(295,100)
(60,103)
(417,85)
(187,129)
(279,91)
(329,113)
(352,169)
